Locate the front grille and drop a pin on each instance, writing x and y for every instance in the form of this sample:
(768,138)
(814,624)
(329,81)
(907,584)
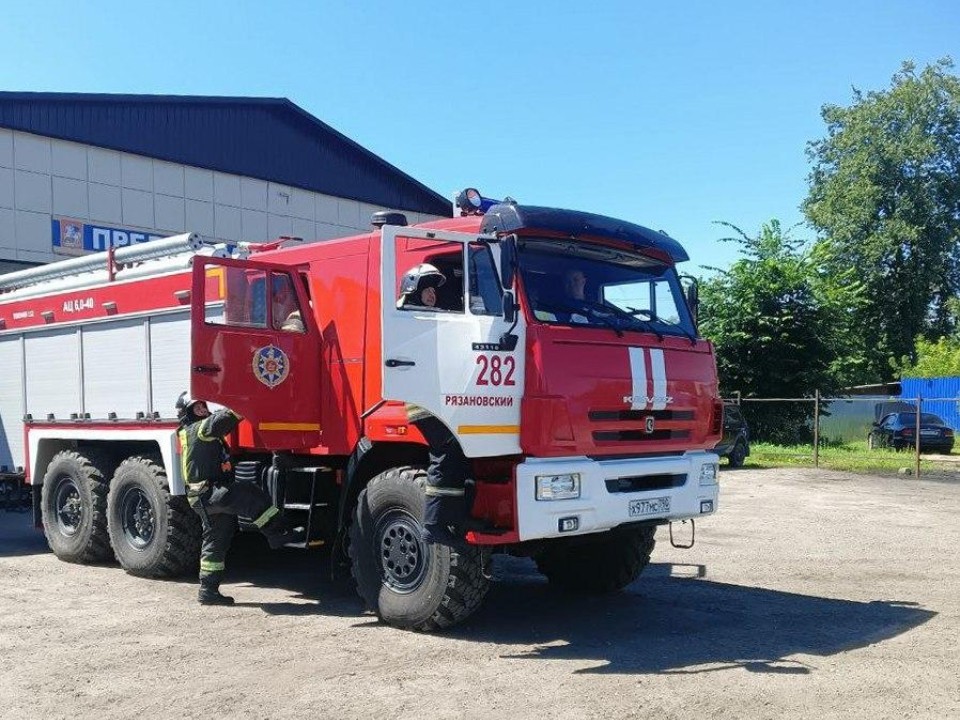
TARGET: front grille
(621,425)
(641,483)
(639,435)
(639,415)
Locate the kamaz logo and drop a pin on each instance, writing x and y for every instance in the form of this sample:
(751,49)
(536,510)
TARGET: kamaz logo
(644,400)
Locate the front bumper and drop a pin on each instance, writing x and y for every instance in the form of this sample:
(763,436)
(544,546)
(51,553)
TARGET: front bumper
(608,489)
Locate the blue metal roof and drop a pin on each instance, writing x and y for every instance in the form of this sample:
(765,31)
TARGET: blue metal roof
(267,138)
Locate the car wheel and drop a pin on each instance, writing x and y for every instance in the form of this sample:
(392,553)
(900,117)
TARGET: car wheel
(408,583)
(738,455)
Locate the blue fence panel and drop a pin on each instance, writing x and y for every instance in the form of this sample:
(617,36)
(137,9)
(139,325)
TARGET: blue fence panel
(945,389)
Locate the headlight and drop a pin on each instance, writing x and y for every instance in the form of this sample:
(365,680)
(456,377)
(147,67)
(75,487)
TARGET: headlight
(708,474)
(558,487)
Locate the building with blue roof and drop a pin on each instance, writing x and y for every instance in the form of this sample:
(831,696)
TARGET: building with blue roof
(79,172)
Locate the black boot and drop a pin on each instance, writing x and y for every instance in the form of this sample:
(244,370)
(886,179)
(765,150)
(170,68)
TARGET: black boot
(440,513)
(282,531)
(210,595)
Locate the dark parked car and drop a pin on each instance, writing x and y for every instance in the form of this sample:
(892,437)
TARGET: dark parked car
(898,431)
(735,443)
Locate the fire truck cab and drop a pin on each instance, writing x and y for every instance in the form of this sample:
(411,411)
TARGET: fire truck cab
(560,350)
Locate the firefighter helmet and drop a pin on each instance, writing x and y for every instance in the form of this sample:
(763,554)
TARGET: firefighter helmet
(185,404)
(418,278)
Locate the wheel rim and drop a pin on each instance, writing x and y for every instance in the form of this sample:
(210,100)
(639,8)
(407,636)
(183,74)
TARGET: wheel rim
(69,506)
(137,518)
(402,553)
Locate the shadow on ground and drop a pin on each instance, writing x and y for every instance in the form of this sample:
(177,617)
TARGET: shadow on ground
(667,623)
(672,620)
(18,536)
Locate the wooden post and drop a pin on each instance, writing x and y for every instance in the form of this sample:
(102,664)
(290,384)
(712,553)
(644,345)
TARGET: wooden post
(816,430)
(916,431)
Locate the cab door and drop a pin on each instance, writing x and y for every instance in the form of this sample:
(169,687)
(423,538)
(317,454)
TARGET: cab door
(255,349)
(447,359)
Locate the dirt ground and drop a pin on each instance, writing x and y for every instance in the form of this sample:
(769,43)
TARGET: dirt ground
(809,595)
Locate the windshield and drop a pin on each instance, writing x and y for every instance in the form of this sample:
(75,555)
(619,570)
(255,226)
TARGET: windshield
(925,418)
(571,283)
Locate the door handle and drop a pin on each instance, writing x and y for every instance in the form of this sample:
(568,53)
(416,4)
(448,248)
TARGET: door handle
(207,369)
(391,363)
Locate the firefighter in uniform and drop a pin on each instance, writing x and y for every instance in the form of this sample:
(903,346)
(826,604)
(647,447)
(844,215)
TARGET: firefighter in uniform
(445,511)
(214,495)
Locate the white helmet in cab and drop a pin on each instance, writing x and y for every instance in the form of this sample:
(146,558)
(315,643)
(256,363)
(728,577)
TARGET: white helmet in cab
(416,279)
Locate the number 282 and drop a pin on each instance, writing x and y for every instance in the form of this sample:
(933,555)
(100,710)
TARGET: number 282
(496,370)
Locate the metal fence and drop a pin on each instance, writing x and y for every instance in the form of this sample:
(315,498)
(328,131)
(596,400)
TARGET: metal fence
(841,432)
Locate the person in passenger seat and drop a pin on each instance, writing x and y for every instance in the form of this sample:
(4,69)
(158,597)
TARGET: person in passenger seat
(418,288)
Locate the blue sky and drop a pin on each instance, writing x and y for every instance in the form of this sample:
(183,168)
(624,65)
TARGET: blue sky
(672,115)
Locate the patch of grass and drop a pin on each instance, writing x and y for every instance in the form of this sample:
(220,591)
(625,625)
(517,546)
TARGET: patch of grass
(853,457)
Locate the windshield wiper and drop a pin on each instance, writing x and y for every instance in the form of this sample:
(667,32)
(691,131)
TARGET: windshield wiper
(653,318)
(599,307)
(606,318)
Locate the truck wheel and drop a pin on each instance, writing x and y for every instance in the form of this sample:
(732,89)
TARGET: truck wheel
(73,500)
(738,454)
(607,563)
(408,583)
(153,533)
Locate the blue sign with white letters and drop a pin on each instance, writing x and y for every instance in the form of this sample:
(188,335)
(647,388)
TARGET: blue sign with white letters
(74,237)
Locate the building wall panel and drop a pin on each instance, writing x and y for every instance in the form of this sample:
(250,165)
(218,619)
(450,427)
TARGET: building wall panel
(136,172)
(32,191)
(70,198)
(103,166)
(6,148)
(68,160)
(169,214)
(168,178)
(156,197)
(6,188)
(8,233)
(31,153)
(105,204)
(137,208)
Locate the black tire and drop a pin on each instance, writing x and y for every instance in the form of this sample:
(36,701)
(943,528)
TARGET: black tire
(153,533)
(598,565)
(409,584)
(738,455)
(73,500)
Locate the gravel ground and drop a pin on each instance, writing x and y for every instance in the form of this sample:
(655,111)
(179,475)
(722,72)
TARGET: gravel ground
(809,595)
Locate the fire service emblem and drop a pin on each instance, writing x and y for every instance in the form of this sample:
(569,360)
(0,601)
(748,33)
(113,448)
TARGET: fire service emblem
(271,365)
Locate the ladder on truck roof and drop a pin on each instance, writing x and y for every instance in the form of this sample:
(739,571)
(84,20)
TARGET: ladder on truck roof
(102,266)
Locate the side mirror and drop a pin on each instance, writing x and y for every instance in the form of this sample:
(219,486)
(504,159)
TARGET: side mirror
(691,292)
(510,307)
(508,261)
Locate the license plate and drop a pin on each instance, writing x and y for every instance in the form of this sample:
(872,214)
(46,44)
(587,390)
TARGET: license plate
(929,433)
(653,506)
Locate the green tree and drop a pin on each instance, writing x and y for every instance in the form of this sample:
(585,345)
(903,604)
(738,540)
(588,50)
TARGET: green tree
(885,196)
(781,325)
(934,358)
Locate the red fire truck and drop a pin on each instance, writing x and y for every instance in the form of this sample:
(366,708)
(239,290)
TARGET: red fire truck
(562,354)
